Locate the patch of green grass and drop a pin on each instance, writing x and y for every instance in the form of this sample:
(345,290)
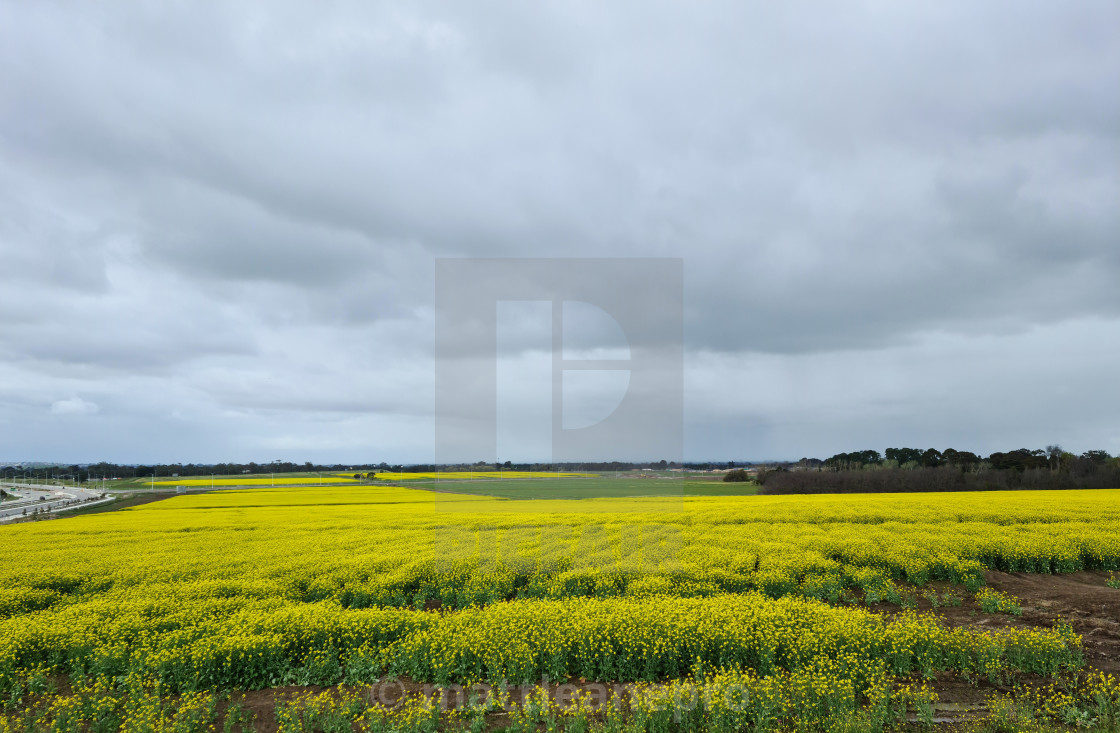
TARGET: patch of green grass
(143,483)
(706,487)
(604,486)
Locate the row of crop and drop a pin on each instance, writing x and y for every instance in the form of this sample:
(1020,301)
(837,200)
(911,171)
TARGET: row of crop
(402,560)
(808,700)
(817,699)
(228,643)
(667,638)
(812,699)
(466,583)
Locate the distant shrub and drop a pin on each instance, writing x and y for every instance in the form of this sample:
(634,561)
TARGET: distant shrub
(737,474)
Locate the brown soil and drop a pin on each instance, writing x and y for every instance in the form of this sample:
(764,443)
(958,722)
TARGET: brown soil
(1081,599)
(261,704)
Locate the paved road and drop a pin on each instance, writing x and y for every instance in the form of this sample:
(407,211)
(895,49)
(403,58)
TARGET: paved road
(33,498)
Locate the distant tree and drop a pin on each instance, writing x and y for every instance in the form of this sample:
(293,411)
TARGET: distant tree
(856,459)
(1019,460)
(736,475)
(1096,456)
(766,474)
(932,458)
(904,455)
(1054,456)
(960,458)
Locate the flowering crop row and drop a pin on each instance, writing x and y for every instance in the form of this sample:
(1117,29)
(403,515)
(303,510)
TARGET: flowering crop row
(808,700)
(195,644)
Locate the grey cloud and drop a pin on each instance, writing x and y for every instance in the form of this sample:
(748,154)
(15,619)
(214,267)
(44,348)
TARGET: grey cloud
(196,194)
(74,406)
(987,392)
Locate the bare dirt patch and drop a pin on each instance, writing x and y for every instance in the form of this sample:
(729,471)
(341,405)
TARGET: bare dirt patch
(1081,599)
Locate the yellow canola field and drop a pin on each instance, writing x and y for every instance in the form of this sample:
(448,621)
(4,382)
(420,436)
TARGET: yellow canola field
(315,479)
(264,587)
(377,546)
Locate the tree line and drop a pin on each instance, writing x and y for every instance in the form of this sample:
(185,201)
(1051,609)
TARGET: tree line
(914,469)
(103,469)
(96,471)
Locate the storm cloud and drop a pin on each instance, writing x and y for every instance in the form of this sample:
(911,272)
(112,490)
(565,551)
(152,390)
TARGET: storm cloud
(218,221)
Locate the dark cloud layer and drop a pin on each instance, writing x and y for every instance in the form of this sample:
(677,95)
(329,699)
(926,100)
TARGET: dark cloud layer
(218,220)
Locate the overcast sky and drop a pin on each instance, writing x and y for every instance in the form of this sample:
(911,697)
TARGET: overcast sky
(899,222)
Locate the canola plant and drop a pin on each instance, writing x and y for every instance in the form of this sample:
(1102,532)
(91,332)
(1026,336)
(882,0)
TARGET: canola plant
(180,602)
